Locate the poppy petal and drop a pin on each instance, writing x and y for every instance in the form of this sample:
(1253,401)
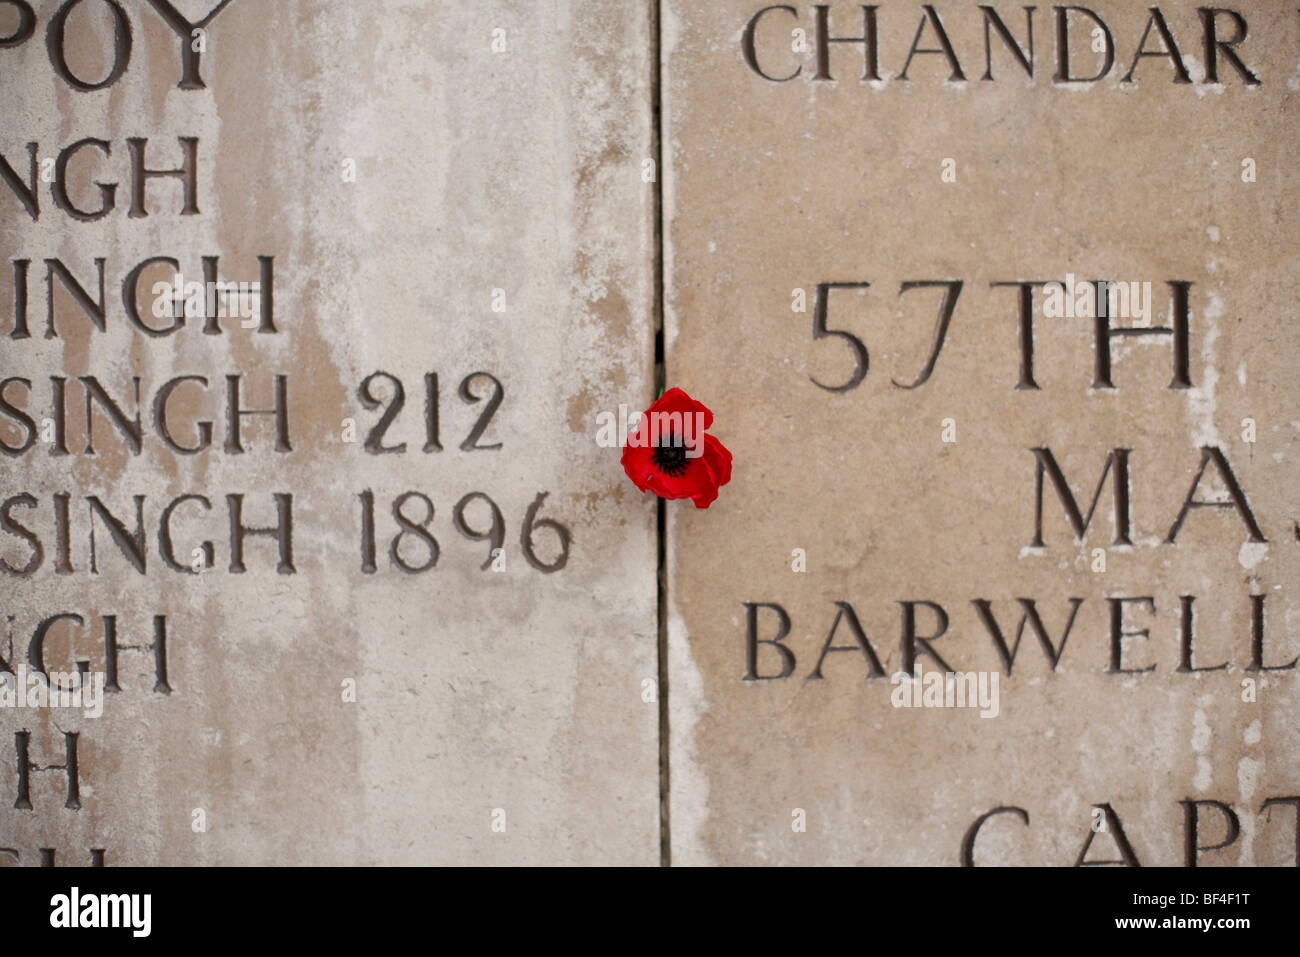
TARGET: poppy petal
(719,458)
(675,400)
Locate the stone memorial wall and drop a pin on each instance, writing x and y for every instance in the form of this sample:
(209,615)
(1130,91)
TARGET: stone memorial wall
(996,305)
(323,323)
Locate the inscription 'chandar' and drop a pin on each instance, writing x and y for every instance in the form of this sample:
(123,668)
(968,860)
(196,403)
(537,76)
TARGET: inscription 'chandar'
(1221,33)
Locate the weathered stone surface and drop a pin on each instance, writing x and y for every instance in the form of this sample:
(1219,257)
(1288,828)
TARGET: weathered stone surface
(475,171)
(772,187)
(455,189)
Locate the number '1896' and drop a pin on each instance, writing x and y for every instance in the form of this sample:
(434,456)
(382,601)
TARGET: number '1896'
(414,549)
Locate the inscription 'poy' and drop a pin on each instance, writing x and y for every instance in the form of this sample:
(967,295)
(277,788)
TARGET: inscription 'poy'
(1222,31)
(116,42)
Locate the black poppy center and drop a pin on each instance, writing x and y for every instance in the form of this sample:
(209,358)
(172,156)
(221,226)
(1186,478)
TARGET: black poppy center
(669,456)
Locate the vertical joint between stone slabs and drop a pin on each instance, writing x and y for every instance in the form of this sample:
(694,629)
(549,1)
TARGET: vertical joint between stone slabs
(660,383)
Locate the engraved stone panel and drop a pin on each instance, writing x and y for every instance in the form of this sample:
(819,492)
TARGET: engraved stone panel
(862,205)
(407,605)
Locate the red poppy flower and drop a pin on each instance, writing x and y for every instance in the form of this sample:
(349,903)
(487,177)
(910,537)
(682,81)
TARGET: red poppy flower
(669,454)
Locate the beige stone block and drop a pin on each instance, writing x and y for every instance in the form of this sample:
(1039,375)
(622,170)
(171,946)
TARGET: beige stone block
(445,189)
(904,488)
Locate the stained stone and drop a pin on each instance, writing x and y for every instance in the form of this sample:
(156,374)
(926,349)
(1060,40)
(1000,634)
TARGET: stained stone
(883,495)
(449,190)
(997,332)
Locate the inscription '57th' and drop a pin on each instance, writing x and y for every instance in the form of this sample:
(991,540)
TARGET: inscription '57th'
(1100,300)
